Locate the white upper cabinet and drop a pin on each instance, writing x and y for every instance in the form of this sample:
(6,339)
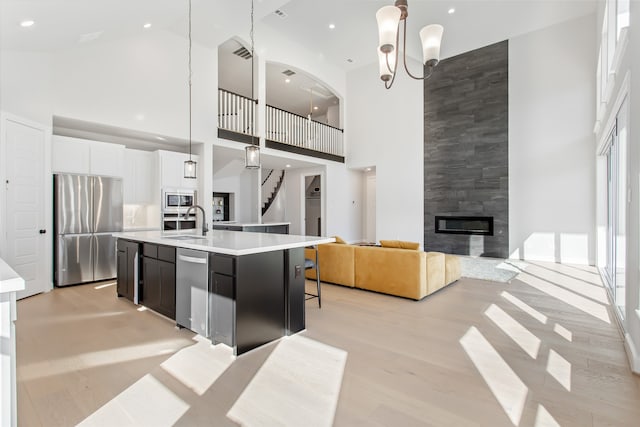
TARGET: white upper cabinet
(139,181)
(70,155)
(172,170)
(83,156)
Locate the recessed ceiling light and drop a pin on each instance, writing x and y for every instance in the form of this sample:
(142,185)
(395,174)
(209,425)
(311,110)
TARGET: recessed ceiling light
(452,11)
(315,108)
(332,26)
(368,169)
(27,23)
(147,25)
(288,166)
(287,80)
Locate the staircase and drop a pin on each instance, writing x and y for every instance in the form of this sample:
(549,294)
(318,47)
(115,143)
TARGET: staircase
(270,188)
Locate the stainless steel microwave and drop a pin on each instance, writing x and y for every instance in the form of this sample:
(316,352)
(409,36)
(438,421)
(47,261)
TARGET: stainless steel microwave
(177,200)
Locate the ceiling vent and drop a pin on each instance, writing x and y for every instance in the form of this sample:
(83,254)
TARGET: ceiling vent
(242,52)
(89,37)
(281,14)
(288,73)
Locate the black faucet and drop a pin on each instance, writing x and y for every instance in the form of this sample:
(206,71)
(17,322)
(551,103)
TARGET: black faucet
(204,218)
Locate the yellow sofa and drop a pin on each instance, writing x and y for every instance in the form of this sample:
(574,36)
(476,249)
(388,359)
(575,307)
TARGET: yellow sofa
(403,272)
(337,263)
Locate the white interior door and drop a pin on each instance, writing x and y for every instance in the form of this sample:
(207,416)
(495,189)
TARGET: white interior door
(24,204)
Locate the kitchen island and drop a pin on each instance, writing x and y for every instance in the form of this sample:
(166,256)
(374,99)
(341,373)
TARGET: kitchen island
(242,289)
(269,227)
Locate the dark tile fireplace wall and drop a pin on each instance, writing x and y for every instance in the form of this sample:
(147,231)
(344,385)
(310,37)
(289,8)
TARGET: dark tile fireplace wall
(466,128)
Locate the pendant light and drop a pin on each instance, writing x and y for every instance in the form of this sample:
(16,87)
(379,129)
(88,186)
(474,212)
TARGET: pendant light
(252,152)
(190,165)
(389,20)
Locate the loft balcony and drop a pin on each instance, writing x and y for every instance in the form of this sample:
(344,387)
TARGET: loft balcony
(284,130)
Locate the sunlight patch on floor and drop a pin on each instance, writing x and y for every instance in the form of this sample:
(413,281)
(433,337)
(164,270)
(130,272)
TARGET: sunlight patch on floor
(145,403)
(563,332)
(94,359)
(514,330)
(583,304)
(200,365)
(560,369)
(503,382)
(544,418)
(587,290)
(106,285)
(525,307)
(299,384)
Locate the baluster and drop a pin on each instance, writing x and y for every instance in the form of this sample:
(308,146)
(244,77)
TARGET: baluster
(227,111)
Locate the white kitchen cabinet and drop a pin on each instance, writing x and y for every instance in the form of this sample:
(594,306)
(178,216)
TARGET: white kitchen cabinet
(86,157)
(70,155)
(139,179)
(172,170)
(107,159)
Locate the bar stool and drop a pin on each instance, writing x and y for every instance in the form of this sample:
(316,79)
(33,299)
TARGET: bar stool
(310,264)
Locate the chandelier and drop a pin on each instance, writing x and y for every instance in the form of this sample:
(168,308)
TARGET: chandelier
(389,20)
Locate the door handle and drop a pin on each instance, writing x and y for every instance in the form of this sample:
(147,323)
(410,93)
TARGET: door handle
(43,231)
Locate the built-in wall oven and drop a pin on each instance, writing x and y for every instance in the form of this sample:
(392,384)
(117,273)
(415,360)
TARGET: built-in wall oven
(175,204)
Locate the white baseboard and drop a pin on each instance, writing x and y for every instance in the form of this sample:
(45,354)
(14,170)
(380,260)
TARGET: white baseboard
(632,354)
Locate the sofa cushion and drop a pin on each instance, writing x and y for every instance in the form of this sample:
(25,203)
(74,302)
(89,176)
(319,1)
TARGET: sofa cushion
(399,244)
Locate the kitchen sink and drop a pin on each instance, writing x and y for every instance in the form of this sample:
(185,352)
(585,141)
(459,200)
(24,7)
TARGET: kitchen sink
(185,237)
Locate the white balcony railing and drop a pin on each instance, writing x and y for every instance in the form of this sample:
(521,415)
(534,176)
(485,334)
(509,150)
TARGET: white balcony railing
(236,113)
(292,129)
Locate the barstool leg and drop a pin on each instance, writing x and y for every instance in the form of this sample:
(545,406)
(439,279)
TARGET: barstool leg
(318,279)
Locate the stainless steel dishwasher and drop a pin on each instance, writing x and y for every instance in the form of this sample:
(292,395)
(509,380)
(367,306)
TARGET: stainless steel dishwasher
(192,290)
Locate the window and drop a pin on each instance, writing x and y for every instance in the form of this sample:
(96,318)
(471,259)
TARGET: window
(622,16)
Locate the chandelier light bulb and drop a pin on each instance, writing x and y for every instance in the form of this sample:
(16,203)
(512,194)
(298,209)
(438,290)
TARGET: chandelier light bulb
(431,37)
(388,18)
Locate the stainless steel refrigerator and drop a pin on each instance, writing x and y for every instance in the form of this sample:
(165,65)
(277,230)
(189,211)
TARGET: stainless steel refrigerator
(87,210)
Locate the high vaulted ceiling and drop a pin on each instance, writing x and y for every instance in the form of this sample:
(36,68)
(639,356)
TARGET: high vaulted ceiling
(60,24)
(475,23)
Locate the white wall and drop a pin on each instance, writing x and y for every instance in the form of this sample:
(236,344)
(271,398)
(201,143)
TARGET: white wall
(139,83)
(551,143)
(26,85)
(385,129)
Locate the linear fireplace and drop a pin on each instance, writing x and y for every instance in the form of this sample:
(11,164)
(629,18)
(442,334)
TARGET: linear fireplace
(478,225)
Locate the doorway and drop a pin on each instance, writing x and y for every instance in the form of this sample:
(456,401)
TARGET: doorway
(370,206)
(312,205)
(24,202)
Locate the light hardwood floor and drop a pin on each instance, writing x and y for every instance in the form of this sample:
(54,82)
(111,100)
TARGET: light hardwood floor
(541,350)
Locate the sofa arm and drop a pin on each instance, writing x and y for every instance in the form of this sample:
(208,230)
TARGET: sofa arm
(452,269)
(336,263)
(435,271)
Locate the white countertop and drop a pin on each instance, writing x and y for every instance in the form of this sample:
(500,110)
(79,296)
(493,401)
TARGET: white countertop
(226,242)
(9,279)
(248,224)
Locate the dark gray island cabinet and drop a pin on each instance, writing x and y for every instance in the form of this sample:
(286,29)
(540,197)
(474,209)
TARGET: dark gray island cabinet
(240,289)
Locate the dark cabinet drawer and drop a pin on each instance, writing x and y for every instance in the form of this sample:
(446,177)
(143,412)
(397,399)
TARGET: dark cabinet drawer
(223,264)
(150,250)
(167,253)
